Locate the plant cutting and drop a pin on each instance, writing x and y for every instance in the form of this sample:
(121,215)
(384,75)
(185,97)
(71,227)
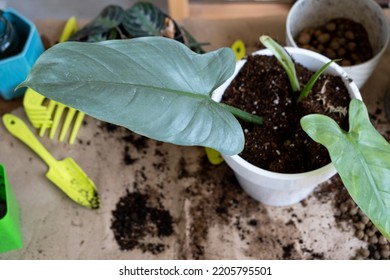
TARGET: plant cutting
(159,88)
(280,165)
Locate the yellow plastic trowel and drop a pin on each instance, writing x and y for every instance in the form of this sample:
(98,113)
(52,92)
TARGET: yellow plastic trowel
(66,174)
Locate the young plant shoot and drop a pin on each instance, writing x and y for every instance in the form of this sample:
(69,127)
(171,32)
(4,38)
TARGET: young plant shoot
(289,66)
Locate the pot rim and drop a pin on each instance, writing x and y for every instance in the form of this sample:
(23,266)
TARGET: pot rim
(282,176)
(334,67)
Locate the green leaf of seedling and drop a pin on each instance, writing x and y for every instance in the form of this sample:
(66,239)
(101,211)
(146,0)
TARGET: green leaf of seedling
(361,156)
(306,90)
(154,86)
(284,59)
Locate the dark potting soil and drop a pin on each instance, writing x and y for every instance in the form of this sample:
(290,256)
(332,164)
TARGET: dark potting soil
(134,219)
(218,200)
(3,205)
(280,144)
(3,209)
(338,38)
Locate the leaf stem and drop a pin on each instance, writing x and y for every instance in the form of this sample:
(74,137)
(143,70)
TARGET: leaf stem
(245,116)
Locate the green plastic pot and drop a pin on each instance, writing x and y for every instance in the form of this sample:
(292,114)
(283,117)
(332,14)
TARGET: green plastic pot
(10,227)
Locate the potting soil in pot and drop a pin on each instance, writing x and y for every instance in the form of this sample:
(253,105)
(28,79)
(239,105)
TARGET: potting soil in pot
(338,38)
(3,206)
(3,209)
(280,145)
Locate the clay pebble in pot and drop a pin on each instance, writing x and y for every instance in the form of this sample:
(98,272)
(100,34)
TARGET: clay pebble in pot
(339,38)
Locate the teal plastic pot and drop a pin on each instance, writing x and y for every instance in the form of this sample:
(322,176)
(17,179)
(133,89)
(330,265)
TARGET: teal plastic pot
(10,227)
(14,68)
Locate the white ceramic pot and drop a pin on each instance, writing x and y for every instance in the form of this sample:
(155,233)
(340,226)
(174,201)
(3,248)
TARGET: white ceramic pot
(311,13)
(276,188)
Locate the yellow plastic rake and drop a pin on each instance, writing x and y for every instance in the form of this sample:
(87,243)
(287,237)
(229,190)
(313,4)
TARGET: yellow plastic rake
(47,114)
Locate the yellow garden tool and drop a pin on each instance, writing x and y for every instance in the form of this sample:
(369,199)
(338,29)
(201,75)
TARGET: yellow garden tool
(238,48)
(47,114)
(66,174)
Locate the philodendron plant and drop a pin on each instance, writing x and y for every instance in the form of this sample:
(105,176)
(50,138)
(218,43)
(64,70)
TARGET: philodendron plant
(159,88)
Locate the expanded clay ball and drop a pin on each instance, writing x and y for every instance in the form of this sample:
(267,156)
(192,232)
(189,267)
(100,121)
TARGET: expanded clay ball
(340,38)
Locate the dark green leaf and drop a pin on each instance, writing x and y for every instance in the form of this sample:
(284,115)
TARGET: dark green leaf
(154,86)
(362,159)
(145,19)
(101,27)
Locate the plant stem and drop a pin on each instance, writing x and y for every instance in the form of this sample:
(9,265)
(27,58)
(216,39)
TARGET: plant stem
(245,116)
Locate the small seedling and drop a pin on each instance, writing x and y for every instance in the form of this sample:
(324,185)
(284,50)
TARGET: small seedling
(289,66)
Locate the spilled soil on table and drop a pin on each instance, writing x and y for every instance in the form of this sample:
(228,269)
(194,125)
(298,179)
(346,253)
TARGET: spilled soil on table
(214,211)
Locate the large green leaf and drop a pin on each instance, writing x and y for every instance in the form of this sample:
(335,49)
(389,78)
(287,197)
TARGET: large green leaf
(154,86)
(362,159)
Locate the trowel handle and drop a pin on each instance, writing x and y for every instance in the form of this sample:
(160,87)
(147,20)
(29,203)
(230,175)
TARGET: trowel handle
(20,130)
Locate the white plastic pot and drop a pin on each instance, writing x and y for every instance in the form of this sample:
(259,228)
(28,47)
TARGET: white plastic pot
(280,189)
(311,13)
